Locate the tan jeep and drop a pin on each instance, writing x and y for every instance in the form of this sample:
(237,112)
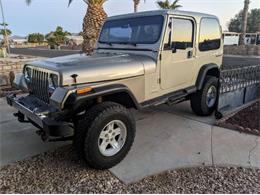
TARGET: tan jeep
(141,60)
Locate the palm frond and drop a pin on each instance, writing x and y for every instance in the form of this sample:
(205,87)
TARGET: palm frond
(92,2)
(70,1)
(28,2)
(175,5)
(165,4)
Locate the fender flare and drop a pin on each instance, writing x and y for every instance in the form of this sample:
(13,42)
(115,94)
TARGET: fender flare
(204,72)
(108,90)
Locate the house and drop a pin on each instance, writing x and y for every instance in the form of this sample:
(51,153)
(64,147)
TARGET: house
(74,38)
(17,40)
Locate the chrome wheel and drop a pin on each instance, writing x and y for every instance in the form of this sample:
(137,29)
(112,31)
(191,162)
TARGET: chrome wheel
(112,138)
(211,96)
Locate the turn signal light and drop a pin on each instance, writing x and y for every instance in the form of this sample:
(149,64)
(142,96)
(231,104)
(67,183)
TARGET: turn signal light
(84,90)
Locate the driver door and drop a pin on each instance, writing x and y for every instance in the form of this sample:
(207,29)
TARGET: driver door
(177,65)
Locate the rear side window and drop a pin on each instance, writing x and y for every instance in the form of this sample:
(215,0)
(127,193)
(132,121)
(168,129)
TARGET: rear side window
(210,36)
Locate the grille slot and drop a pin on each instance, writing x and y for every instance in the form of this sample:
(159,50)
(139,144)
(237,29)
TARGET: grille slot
(39,84)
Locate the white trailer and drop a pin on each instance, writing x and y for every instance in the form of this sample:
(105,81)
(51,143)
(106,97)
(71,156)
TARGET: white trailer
(231,38)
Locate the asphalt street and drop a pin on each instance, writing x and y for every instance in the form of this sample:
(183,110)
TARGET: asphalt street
(43,52)
(227,61)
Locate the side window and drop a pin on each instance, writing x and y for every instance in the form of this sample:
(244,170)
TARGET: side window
(182,36)
(210,36)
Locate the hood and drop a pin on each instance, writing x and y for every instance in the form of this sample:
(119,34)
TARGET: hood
(97,67)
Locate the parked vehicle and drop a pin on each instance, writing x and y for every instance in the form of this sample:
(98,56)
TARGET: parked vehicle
(141,60)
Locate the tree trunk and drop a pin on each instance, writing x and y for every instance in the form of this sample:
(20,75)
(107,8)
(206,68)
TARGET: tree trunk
(92,24)
(244,23)
(136,4)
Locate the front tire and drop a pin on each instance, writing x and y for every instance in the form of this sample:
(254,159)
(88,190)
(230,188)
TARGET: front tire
(204,101)
(105,135)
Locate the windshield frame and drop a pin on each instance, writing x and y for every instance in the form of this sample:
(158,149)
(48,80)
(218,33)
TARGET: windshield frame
(129,42)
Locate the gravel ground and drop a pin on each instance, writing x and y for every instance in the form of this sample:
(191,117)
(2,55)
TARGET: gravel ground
(61,171)
(248,117)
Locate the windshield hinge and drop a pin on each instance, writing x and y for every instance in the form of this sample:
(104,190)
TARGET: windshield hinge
(160,57)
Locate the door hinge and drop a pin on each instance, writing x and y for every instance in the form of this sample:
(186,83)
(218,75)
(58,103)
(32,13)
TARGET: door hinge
(160,57)
(159,80)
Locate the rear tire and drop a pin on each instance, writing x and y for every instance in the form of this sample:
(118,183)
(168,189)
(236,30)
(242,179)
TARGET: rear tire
(93,140)
(204,101)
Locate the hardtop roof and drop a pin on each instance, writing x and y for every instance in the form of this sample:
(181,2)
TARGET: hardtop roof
(196,15)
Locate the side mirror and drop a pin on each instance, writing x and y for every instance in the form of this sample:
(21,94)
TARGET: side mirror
(174,50)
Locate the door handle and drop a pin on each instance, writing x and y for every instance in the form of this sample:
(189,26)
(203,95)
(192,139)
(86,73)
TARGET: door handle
(189,54)
(219,55)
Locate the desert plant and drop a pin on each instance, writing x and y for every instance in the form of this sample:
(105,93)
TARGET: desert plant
(57,37)
(35,38)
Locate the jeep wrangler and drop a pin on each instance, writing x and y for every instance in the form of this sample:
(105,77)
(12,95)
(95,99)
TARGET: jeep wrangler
(142,59)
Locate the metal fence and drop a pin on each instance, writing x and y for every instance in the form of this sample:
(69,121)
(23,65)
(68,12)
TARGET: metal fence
(238,86)
(234,79)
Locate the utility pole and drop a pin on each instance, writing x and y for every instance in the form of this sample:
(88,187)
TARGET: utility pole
(4,25)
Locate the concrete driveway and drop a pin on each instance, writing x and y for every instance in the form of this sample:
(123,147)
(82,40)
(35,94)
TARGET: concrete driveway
(173,137)
(167,138)
(18,140)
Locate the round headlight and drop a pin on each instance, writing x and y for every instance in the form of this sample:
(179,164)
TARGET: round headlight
(28,73)
(53,81)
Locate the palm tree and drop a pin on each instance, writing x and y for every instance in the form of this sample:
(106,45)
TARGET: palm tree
(92,23)
(244,23)
(28,2)
(5,32)
(136,4)
(165,4)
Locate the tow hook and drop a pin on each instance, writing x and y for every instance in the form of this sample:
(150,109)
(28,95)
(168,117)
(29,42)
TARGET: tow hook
(20,117)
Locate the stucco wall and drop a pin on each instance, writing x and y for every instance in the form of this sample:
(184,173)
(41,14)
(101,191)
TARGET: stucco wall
(8,68)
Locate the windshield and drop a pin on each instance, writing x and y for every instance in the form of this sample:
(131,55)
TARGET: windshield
(141,30)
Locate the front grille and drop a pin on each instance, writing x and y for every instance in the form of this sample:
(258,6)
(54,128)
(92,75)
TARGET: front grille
(39,84)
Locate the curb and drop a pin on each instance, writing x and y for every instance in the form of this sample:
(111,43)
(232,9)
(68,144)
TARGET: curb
(241,56)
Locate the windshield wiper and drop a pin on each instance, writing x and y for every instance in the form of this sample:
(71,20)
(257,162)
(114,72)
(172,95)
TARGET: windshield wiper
(127,43)
(122,43)
(108,43)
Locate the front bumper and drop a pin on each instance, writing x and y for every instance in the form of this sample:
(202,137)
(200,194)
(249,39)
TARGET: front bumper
(41,115)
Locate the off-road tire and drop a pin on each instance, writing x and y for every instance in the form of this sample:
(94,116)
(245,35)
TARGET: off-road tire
(198,99)
(88,128)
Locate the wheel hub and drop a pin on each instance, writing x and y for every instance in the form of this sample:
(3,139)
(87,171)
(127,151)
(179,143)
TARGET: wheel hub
(211,96)
(112,138)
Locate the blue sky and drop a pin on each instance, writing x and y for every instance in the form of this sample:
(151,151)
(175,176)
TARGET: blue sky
(44,15)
